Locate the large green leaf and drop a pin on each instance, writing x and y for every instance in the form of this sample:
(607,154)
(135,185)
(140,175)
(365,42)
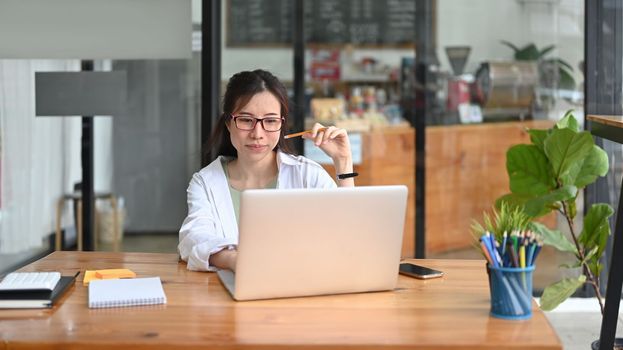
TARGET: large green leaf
(553,238)
(537,204)
(538,136)
(565,149)
(568,121)
(572,173)
(528,170)
(596,164)
(513,200)
(596,228)
(558,292)
(519,200)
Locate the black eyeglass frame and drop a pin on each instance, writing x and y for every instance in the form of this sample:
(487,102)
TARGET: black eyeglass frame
(255,120)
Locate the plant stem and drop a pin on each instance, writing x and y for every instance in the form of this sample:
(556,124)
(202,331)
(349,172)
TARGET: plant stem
(587,271)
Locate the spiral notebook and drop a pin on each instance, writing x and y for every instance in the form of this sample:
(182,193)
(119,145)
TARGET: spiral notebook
(126,292)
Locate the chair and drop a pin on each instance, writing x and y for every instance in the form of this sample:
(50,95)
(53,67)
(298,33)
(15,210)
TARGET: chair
(77,198)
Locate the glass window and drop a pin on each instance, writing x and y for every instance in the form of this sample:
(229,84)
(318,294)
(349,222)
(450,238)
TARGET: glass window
(521,68)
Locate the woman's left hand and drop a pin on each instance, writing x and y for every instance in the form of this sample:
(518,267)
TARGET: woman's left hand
(332,141)
(335,143)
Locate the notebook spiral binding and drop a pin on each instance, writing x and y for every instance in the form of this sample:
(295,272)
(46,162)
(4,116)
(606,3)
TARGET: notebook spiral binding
(127,303)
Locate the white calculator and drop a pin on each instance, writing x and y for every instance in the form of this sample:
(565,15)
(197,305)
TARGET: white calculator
(30,281)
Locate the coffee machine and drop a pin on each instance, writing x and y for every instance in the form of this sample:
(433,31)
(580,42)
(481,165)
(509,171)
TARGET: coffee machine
(505,89)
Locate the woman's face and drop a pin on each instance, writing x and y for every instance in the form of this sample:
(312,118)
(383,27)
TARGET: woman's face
(257,143)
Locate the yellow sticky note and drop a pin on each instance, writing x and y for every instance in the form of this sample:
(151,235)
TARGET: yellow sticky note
(88,276)
(114,273)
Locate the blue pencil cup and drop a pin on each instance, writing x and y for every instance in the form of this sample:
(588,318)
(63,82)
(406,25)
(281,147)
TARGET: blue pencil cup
(511,292)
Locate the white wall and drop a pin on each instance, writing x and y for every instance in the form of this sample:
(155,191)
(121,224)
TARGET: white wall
(40,157)
(482,24)
(38,161)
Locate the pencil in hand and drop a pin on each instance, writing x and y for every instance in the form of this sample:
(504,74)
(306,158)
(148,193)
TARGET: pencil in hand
(301,133)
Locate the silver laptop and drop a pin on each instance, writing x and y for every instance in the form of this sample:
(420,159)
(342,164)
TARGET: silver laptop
(303,242)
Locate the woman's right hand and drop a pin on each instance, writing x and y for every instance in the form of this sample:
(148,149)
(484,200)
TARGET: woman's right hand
(225,259)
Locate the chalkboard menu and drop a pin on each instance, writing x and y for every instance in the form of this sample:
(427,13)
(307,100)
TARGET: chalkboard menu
(357,22)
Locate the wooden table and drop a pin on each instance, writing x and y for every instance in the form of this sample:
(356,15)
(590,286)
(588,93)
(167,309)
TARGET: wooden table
(445,313)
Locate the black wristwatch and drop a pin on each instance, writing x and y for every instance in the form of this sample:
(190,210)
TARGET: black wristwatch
(346,175)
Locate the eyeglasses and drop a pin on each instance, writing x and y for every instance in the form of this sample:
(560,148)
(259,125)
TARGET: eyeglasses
(247,123)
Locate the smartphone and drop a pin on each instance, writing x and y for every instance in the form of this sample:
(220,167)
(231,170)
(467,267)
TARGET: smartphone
(418,271)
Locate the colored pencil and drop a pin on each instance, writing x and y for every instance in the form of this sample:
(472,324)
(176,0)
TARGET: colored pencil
(301,133)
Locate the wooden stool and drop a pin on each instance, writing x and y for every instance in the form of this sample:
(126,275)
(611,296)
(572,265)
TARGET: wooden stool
(77,197)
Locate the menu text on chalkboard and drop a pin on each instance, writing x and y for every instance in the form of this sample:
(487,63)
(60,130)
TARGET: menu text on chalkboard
(357,22)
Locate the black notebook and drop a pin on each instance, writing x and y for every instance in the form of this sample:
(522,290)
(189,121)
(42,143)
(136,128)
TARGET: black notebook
(36,298)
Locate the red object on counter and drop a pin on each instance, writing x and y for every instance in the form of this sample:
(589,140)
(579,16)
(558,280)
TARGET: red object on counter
(458,93)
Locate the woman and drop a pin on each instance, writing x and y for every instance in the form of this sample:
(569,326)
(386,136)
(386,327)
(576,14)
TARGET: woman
(249,138)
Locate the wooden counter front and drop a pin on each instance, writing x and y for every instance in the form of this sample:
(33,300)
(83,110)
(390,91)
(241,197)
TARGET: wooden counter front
(465,174)
(451,312)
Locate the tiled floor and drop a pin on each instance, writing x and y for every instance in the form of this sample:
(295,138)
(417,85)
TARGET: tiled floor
(578,323)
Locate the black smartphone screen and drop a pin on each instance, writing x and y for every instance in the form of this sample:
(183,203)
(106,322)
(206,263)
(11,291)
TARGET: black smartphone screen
(418,271)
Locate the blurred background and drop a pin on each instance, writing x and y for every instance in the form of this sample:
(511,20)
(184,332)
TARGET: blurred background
(465,78)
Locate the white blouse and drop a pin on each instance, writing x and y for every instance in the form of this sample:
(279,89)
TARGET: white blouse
(211,225)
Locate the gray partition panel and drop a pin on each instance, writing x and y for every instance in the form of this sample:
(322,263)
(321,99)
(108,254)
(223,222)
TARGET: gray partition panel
(95,29)
(80,93)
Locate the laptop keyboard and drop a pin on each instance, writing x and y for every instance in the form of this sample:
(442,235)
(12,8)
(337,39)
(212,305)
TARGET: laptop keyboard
(30,280)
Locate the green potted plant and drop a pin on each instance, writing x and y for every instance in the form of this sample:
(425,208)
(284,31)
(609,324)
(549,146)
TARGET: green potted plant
(546,176)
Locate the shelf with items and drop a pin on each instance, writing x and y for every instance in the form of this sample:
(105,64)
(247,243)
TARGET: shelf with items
(355,105)
(366,81)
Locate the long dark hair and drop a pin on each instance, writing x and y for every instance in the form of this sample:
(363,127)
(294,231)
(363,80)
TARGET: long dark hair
(240,89)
